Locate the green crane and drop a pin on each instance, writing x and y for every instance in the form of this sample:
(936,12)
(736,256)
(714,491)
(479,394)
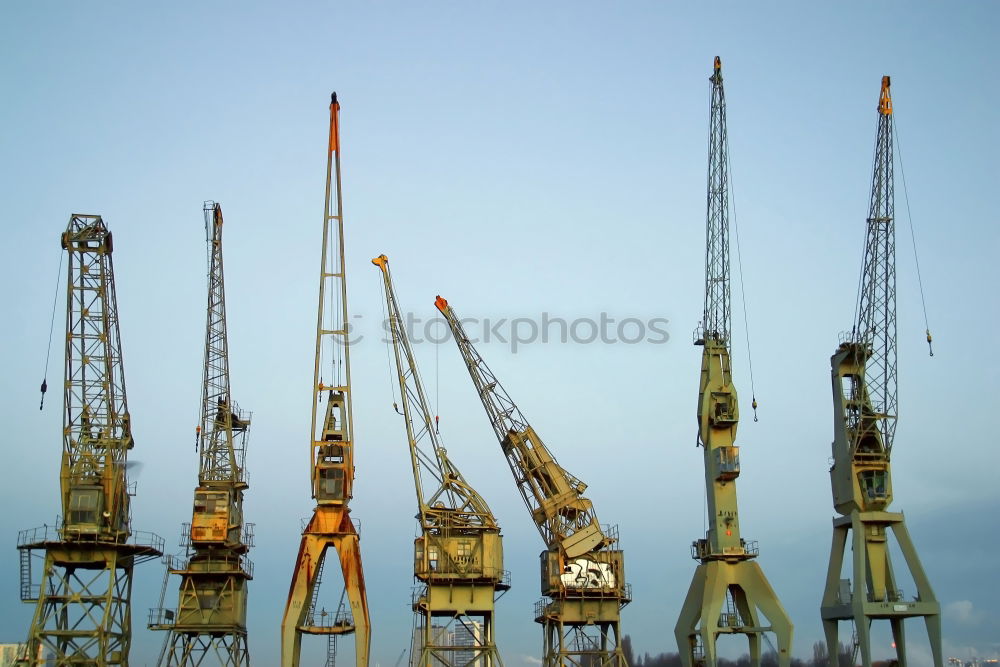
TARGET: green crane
(729,590)
(458,558)
(83,604)
(863,373)
(582,574)
(209,625)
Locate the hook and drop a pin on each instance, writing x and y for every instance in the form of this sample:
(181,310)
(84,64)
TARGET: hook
(930,348)
(753,404)
(45,388)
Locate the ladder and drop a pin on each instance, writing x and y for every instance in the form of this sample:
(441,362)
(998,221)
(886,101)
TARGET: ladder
(311,615)
(331,650)
(331,641)
(27,588)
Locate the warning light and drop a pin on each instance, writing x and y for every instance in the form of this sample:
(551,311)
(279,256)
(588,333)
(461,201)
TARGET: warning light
(729,532)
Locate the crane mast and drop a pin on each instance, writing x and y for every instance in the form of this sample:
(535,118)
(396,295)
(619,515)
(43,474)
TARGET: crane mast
(332,449)
(458,558)
(729,590)
(582,576)
(209,624)
(83,603)
(863,374)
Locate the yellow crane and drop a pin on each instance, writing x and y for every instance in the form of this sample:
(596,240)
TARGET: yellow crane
(458,558)
(332,449)
(582,573)
(83,612)
(729,590)
(210,622)
(863,374)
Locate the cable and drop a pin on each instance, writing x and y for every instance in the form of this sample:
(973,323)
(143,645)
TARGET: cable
(336,265)
(388,340)
(52,325)
(913,238)
(437,376)
(856,335)
(743,294)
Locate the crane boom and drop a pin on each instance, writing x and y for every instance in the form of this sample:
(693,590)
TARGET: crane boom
(452,502)
(564,516)
(875,323)
(727,576)
(87,619)
(332,446)
(863,375)
(210,619)
(458,557)
(223,427)
(582,577)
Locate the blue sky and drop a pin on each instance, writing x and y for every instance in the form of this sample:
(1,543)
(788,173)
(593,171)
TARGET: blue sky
(517,158)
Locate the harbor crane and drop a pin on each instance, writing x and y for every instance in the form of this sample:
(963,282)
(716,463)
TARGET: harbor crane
(582,570)
(209,625)
(729,590)
(83,603)
(863,374)
(458,557)
(332,449)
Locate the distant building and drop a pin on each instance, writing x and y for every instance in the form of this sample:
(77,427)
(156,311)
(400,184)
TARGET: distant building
(456,635)
(439,635)
(9,653)
(470,635)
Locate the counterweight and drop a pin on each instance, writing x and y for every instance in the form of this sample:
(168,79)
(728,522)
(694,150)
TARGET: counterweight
(458,558)
(332,450)
(83,610)
(863,375)
(729,590)
(209,625)
(582,575)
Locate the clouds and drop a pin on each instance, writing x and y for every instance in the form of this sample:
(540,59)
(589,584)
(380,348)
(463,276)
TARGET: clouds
(962,612)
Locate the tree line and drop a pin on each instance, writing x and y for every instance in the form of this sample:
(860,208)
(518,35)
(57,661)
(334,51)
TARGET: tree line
(820,658)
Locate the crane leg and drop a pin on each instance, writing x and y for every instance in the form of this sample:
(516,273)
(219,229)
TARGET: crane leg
(349,550)
(329,527)
(863,628)
(762,596)
(831,630)
(862,625)
(311,552)
(685,631)
(748,614)
(924,591)
(933,624)
(899,639)
(831,593)
(716,583)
